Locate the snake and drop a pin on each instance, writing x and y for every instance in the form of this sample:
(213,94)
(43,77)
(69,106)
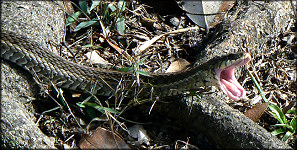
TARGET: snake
(52,68)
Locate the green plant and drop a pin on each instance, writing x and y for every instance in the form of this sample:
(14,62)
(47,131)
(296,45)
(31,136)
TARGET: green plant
(92,103)
(110,13)
(91,107)
(135,68)
(288,128)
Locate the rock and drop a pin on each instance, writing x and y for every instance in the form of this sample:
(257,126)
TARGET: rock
(42,21)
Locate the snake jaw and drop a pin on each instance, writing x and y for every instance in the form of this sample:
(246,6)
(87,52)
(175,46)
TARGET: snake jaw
(227,81)
(229,84)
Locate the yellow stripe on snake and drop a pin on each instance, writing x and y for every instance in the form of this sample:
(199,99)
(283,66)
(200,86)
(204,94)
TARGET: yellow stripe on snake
(49,66)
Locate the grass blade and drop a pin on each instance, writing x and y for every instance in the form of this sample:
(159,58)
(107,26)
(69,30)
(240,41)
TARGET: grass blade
(84,24)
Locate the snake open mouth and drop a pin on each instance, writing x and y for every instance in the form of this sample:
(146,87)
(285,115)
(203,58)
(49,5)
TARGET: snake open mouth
(227,81)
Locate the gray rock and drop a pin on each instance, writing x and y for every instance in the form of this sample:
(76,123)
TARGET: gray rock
(42,21)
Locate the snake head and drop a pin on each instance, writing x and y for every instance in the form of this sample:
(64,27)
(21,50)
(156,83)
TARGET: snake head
(226,78)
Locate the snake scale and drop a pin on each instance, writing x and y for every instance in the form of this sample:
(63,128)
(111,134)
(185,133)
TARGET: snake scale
(49,66)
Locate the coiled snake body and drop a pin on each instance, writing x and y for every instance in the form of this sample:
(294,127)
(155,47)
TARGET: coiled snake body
(31,56)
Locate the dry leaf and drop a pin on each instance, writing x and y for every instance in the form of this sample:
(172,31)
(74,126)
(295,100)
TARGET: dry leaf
(256,112)
(178,65)
(93,57)
(148,43)
(113,45)
(102,139)
(76,94)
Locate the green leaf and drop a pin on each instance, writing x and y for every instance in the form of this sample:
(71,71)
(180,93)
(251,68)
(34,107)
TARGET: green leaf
(277,131)
(122,5)
(111,110)
(294,111)
(90,104)
(121,27)
(293,123)
(84,6)
(142,73)
(125,69)
(79,104)
(141,61)
(88,45)
(280,116)
(100,108)
(112,7)
(97,46)
(73,17)
(286,126)
(84,24)
(287,135)
(94,4)
(113,13)
(276,116)
(93,46)
(87,99)
(94,105)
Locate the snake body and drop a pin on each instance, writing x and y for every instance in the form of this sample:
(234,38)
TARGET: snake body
(49,66)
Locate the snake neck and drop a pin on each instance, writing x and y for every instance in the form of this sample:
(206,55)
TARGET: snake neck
(170,84)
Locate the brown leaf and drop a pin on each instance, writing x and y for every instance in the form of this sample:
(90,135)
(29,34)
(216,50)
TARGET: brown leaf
(177,65)
(256,111)
(93,57)
(114,45)
(102,139)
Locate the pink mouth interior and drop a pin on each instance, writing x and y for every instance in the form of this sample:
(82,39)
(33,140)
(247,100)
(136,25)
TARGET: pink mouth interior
(228,83)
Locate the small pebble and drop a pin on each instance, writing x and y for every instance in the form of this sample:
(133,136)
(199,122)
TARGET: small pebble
(174,21)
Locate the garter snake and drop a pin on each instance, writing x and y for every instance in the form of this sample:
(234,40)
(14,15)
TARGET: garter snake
(49,66)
